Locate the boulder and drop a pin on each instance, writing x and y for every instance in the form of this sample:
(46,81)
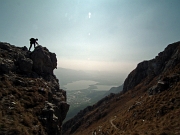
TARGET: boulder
(25,65)
(5,46)
(161,86)
(6,65)
(63,108)
(44,62)
(52,116)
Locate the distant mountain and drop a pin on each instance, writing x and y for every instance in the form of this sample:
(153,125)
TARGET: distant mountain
(114,90)
(104,78)
(69,75)
(149,103)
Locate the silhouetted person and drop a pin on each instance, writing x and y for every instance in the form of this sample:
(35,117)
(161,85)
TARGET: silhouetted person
(33,41)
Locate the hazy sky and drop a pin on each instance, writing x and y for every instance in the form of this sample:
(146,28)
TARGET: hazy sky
(93,34)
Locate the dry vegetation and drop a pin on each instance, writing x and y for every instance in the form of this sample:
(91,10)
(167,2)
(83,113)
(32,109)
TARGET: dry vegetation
(31,101)
(21,104)
(138,113)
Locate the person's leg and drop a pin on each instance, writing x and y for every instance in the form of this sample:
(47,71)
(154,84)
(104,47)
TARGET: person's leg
(30,46)
(34,45)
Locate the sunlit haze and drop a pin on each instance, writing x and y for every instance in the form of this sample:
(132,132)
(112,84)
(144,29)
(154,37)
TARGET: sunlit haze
(108,35)
(97,65)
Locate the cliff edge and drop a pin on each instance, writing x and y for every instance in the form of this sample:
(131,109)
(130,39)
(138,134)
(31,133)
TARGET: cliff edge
(165,60)
(31,101)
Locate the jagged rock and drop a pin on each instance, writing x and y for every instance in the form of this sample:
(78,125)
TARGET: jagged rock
(164,84)
(44,62)
(25,65)
(63,108)
(19,82)
(28,78)
(6,65)
(149,69)
(19,56)
(174,78)
(5,46)
(52,116)
(161,86)
(24,48)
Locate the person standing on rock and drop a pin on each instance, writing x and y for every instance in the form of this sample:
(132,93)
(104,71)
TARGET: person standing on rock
(33,41)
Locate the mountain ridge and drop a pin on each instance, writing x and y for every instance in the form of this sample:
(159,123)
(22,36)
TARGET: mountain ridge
(149,103)
(31,101)
(152,67)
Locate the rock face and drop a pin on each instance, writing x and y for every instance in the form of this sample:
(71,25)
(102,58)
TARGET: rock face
(31,101)
(164,84)
(44,62)
(149,69)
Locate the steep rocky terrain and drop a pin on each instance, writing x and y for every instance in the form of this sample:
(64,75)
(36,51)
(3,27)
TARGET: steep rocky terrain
(31,101)
(148,105)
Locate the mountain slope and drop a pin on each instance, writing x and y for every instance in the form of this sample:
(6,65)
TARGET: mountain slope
(114,90)
(80,99)
(31,101)
(149,103)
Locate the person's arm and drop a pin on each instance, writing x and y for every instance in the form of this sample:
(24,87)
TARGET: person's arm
(37,43)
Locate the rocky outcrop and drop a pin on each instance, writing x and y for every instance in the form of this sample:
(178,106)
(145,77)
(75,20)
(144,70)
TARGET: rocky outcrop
(164,84)
(44,62)
(31,101)
(152,68)
(25,65)
(14,59)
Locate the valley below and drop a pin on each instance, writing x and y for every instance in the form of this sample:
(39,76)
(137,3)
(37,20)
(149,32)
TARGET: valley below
(149,103)
(83,93)
(85,88)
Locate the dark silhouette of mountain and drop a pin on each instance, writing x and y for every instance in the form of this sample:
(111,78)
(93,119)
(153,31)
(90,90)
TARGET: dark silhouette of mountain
(149,103)
(31,101)
(70,75)
(114,90)
(102,77)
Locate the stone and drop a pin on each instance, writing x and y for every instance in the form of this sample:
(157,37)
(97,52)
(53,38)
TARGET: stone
(161,86)
(18,82)
(24,48)
(6,65)
(52,116)
(44,62)
(5,46)
(25,65)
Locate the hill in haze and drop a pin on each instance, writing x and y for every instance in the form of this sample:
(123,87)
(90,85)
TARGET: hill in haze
(102,77)
(148,105)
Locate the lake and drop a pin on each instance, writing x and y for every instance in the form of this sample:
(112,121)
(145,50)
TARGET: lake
(85,84)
